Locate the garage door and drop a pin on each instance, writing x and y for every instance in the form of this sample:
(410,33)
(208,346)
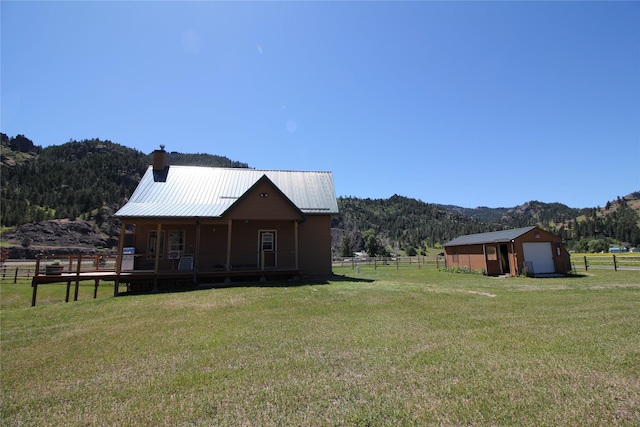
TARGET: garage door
(540,256)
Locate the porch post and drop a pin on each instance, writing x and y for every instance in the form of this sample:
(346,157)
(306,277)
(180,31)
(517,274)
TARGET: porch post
(156,267)
(123,227)
(158,237)
(295,242)
(197,254)
(230,222)
(116,286)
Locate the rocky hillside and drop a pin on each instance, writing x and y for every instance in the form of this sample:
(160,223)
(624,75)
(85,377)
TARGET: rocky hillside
(66,236)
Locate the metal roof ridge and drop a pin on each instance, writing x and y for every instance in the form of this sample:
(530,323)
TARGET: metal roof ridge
(248,169)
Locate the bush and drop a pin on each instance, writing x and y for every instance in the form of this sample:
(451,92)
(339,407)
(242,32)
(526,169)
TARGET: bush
(463,270)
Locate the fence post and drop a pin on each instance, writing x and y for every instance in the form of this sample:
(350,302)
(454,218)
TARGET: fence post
(586,267)
(615,266)
(15,278)
(398,263)
(75,294)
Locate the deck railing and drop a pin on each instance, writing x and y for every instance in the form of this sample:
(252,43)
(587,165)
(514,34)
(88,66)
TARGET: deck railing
(76,263)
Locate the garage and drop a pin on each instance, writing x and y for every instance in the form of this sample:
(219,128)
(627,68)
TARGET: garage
(527,250)
(538,257)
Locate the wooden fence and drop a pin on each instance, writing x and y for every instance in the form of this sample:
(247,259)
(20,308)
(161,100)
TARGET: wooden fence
(416,262)
(25,269)
(12,270)
(607,261)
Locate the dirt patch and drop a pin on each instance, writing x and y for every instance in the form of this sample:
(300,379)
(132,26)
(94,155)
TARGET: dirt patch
(486,294)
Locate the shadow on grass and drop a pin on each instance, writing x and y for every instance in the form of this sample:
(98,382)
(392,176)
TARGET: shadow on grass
(560,276)
(173,287)
(345,278)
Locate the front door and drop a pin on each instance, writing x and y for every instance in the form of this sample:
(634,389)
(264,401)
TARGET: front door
(267,253)
(504,259)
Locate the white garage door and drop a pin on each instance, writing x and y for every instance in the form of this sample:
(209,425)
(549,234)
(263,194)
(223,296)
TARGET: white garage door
(540,255)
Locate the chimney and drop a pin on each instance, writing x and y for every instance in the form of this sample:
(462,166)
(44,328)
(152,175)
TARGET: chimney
(160,159)
(160,165)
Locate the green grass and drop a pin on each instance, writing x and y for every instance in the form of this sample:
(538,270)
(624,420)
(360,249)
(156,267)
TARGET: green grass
(385,347)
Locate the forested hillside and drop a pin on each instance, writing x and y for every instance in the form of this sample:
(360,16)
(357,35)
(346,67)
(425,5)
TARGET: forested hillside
(87,179)
(408,224)
(90,179)
(401,222)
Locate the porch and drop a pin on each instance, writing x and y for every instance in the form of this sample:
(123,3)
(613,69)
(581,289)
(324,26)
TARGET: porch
(81,268)
(212,247)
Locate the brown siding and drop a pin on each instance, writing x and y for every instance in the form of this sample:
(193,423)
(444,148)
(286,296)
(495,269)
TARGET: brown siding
(315,246)
(245,242)
(213,246)
(471,256)
(254,205)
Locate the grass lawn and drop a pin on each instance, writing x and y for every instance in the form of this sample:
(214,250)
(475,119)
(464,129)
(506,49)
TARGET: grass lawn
(382,347)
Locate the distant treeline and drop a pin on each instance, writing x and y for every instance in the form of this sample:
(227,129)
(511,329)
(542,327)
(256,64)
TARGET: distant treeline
(91,179)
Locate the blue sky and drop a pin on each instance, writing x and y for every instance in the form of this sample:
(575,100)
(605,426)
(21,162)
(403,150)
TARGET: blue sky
(464,103)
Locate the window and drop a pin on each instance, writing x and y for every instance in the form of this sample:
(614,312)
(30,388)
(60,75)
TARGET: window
(153,240)
(492,253)
(176,241)
(268,240)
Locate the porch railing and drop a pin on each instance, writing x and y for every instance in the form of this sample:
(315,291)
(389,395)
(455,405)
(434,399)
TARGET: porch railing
(75,263)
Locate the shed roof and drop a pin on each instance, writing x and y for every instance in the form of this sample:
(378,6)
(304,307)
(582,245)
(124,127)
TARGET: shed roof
(491,237)
(195,191)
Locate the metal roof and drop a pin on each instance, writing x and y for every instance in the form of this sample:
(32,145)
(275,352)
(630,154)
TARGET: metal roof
(195,191)
(491,237)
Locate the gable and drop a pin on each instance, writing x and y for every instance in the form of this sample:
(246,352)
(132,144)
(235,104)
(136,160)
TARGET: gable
(263,201)
(539,235)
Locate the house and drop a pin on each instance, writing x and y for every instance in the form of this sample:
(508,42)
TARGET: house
(529,250)
(207,224)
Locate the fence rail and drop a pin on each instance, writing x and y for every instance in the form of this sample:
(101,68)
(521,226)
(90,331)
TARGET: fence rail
(608,261)
(25,269)
(417,262)
(14,272)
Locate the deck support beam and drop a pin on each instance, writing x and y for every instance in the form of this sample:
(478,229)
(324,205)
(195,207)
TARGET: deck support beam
(34,285)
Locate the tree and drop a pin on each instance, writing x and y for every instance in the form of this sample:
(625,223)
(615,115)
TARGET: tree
(598,245)
(411,251)
(26,242)
(345,248)
(371,243)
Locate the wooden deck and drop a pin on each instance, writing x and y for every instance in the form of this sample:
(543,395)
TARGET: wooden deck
(141,281)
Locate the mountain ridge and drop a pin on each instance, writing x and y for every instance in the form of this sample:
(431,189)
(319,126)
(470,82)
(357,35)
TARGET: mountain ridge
(90,179)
